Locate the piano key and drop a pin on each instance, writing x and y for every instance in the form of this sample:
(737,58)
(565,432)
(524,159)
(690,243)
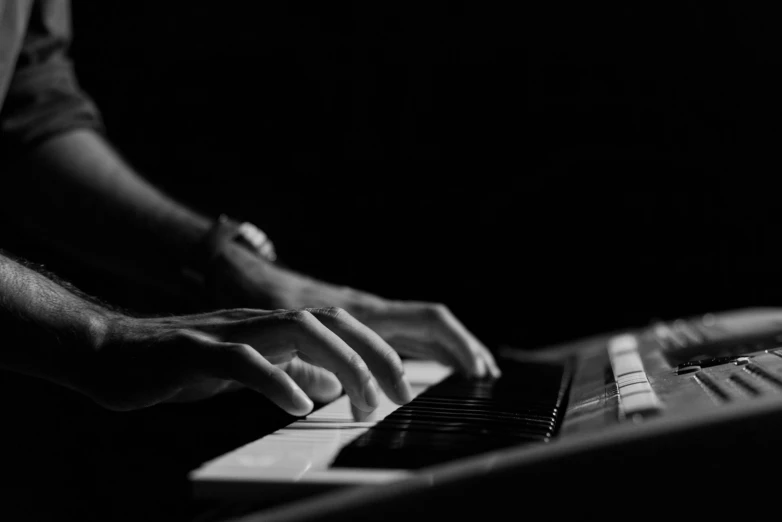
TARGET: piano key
(475,432)
(466,415)
(479,403)
(501,408)
(451,416)
(482,425)
(461,417)
(410,453)
(439,441)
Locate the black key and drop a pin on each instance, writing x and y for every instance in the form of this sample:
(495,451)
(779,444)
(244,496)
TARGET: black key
(434,425)
(460,417)
(509,419)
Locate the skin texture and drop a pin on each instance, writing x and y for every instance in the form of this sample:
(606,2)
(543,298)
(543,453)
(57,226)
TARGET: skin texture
(126,363)
(76,182)
(416,329)
(288,356)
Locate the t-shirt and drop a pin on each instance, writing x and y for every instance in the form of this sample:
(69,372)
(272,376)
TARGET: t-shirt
(39,95)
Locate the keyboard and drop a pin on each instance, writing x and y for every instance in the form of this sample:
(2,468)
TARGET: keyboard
(302,452)
(619,410)
(461,417)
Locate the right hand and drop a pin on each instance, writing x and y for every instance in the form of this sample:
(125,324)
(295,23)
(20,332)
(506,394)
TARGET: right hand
(286,355)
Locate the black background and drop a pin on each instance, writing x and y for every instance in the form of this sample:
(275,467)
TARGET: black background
(548,172)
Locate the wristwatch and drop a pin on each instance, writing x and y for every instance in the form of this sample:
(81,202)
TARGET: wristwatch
(224,231)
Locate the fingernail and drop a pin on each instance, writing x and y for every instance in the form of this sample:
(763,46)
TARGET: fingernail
(404,391)
(480,368)
(302,402)
(370,394)
(361,415)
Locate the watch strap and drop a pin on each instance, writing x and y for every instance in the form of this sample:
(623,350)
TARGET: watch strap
(224,231)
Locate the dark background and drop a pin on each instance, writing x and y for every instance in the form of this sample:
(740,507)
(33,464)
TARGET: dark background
(547,171)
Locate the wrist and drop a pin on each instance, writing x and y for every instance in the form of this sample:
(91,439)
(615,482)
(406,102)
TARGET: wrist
(96,327)
(105,326)
(67,349)
(81,365)
(226,239)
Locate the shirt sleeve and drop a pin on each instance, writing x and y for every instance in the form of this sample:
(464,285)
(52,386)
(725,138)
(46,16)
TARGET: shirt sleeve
(44,98)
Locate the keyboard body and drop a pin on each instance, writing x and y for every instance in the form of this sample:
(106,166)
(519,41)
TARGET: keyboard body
(710,385)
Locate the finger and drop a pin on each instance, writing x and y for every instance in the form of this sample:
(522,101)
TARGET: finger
(318,383)
(448,330)
(438,323)
(202,390)
(425,350)
(362,416)
(235,386)
(436,351)
(427,323)
(326,349)
(380,357)
(491,364)
(241,363)
(481,369)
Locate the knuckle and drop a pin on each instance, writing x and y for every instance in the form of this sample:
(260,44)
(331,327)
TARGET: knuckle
(437,311)
(355,361)
(274,374)
(297,316)
(395,364)
(330,311)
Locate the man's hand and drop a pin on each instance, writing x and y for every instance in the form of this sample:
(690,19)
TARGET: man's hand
(416,329)
(288,356)
(131,219)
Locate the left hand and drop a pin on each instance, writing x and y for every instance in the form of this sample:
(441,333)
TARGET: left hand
(415,329)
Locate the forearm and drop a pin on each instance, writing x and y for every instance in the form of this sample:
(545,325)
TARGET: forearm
(78,190)
(47,329)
